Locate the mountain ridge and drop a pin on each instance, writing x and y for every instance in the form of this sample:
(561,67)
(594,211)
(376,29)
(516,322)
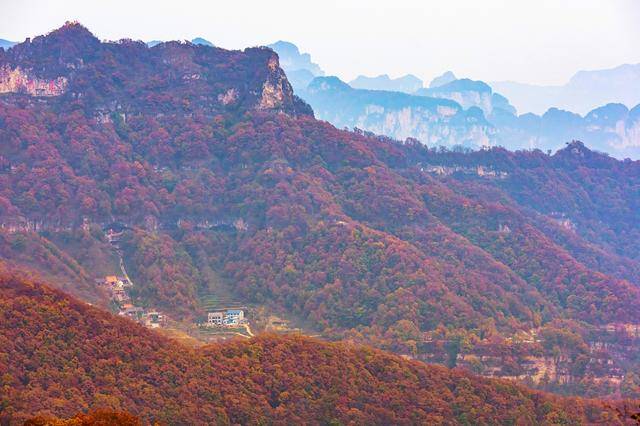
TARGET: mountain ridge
(585,90)
(408,83)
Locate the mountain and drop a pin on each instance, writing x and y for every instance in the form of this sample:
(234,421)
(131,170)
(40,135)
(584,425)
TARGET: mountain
(446,77)
(398,115)
(220,183)
(61,356)
(292,59)
(197,41)
(469,93)
(202,42)
(407,84)
(585,91)
(6,44)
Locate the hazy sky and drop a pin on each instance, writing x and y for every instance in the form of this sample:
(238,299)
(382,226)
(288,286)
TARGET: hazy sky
(535,41)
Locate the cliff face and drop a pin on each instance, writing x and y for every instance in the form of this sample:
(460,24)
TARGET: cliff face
(298,66)
(469,93)
(19,81)
(468,99)
(277,93)
(431,127)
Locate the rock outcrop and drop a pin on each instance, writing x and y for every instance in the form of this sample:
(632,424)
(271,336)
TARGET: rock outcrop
(17,80)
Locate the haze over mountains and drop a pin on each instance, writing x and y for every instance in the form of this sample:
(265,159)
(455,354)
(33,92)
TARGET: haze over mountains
(606,124)
(407,84)
(5,44)
(197,41)
(585,91)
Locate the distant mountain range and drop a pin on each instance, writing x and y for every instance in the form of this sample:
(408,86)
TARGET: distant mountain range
(432,120)
(197,40)
(585,91)
(5,44)
(441,80)
(407,84)
(475,114)
(300,69)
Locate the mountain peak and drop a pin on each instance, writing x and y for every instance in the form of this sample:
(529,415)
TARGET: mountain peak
(321,84)
(291,59)
(285,46)
(577,151)
(408,83)
(72,31)
(54,54)
(465,84)
(202,42)
(441,80)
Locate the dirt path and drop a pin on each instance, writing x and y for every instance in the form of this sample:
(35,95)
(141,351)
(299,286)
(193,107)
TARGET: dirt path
(124,271)
(246,327)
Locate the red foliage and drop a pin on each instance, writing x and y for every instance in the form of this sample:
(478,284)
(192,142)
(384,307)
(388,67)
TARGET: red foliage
(59,356)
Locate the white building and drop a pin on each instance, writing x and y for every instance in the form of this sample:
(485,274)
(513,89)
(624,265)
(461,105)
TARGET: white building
(234,317)
(215,318)
(228,318)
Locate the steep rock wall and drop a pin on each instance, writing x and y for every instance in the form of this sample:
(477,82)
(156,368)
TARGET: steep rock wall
(17,80)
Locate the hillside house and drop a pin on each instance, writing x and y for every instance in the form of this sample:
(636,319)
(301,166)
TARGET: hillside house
(133,312)
(226,318)
(215,318)
(234,317)
(119,295)
(154,319)
(111,280)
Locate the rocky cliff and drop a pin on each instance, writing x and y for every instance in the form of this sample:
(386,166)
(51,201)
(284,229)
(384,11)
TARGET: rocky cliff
(469,93)
(17,80)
